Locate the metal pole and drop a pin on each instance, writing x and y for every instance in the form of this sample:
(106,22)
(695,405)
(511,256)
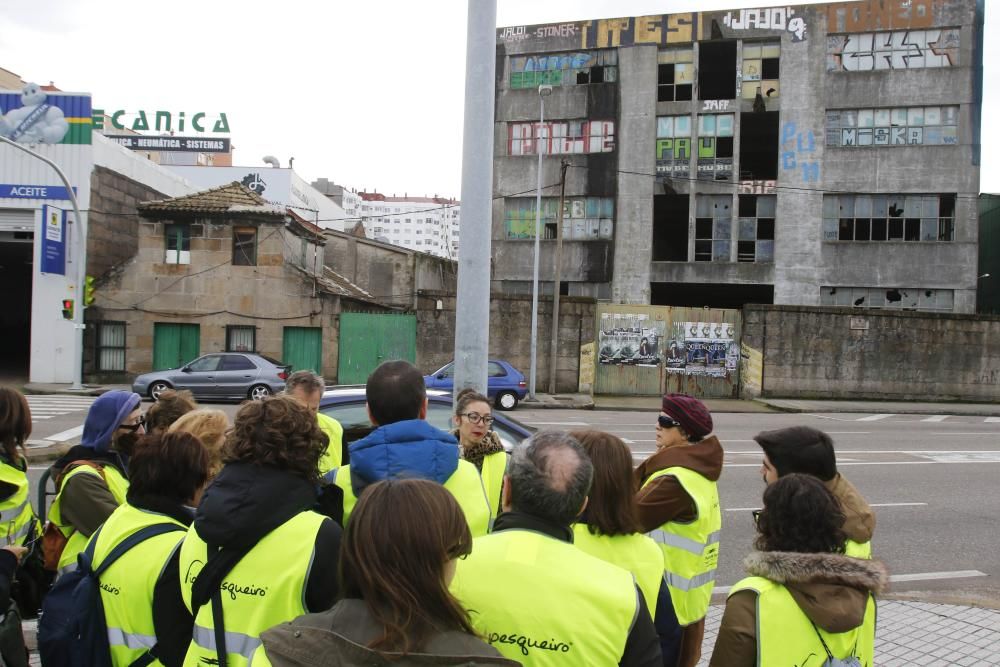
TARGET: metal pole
(81,260)
(472,328)
(557,278)
(538,236)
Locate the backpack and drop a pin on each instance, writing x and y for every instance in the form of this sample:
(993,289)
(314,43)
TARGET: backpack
(72,630)
(53,539)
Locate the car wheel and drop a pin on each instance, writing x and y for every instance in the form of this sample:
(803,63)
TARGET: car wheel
(259,392)
(156,389)
(507,400)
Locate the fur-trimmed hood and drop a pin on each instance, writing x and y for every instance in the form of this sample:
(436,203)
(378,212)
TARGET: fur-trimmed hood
(831,589)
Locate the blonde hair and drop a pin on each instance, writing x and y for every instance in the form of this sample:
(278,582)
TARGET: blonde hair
(209,426)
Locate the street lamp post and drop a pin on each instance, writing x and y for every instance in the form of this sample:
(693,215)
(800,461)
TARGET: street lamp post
(543,92)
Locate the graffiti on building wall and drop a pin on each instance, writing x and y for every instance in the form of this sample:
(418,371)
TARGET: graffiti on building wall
(702,348)
(561,137)
(715,105)
(901,49)
(757,187)
(881,15)
(633,339)
(768,18)
(751,371)
(798,152)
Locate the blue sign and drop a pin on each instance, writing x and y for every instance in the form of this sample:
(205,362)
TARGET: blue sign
(53,240)
(21,191)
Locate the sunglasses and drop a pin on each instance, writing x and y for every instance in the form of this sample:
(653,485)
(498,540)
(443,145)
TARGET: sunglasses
(756,516)
(134,427)
(666,422)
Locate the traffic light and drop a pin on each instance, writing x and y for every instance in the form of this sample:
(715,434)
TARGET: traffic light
(67,308)
(88,291)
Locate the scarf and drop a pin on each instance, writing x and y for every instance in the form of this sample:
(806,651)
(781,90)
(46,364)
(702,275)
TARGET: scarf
(490,444)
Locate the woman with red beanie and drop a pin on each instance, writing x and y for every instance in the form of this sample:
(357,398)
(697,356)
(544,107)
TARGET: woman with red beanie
(678,504)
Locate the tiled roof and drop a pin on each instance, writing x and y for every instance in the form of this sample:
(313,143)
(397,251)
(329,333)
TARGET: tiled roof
(234,198)
(338,284)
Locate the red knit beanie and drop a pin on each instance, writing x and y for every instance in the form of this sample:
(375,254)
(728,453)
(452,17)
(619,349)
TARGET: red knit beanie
(690,413)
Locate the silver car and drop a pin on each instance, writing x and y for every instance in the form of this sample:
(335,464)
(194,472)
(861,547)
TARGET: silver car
(221,376)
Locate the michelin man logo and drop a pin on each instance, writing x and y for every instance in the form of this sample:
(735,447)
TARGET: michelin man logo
(35,122)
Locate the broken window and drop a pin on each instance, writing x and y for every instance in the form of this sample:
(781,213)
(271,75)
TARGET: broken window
(178,238)
(713,228)
(564,69)
(670,228)
(891,298)
(889,217)
(584,218)
(759,146)
(673,147)
(715,146)
(716,70)
(244,246)
(756,228)
(675,75)
(900,126)
(760,68)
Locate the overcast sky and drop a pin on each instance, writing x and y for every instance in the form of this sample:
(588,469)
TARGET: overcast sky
(368,94)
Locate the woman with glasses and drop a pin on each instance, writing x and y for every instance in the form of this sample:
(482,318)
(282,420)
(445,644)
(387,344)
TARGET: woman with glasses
(394,611)
(92,477)
(479,443)
(804,602)
(678,505)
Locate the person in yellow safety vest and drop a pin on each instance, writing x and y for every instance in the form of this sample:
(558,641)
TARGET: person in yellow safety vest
(678,504)
(532,594)
(143,608)
(395,611)
(810,451)
(257,553)
(92,477)
(404,445)
(307,388)
(479,443)
(804,603)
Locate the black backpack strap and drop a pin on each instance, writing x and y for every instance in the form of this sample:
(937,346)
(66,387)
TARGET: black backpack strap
(125,545)
(145,659)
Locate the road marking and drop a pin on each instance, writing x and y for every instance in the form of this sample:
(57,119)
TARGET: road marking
(969,433)
(918,576)
(534,423)
(992,420)
(874,418)
(34,417)
(964,457)
(66,435)
(748,509)
(848,432)
(935,418)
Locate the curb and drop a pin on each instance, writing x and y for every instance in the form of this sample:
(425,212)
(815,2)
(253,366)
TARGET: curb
(555,405)
(47,454)
(941,408)
(86,391)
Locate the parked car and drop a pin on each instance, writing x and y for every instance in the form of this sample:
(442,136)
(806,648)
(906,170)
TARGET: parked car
(224,376)
(505,384)
(346,404)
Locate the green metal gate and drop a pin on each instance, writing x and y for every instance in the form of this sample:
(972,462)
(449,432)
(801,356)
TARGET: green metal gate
(368,339)
(302,349)
(651,350)
(175,344)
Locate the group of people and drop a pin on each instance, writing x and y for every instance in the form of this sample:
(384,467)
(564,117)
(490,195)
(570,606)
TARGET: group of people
(434,547)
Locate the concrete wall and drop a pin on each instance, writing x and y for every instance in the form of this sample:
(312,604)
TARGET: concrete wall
(510,339)
(837,353)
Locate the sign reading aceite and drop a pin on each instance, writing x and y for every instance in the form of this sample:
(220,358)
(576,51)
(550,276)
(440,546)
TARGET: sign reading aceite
(27,191)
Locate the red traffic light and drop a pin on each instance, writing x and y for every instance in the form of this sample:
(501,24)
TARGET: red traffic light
(67,309)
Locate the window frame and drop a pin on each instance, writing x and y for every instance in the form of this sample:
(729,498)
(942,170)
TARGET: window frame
(182,237)
(231,328)
(239,247)
(99,347)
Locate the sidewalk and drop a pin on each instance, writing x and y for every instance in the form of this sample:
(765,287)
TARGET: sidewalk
(916,633)
(880,407)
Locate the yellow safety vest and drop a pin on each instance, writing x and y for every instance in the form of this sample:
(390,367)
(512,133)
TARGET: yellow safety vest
(17,519)
(333,456)
(265,588)
(543,602)
(76,541)
(494,468)
(691,550)
(786,636)
(858,549)
(636,553)
(465,484)
(127,585)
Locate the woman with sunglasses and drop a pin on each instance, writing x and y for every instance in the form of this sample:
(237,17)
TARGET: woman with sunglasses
(395,611)
(92,477)
(678,505)
(479,444)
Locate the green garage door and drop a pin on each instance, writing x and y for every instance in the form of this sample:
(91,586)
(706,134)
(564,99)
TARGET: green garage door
(175,344)
(368,339)
(303,349)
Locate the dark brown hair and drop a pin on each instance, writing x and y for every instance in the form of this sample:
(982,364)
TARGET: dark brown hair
(15,422)
(278,432)
(395,392)
(400,536)
(466,396)
(611,506)
(168,408)
(172,465)
(800,515)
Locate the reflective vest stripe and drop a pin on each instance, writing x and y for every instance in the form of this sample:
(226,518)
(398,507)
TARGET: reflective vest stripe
(7,516)
(236,642)
(680,583)
(66,569)
(692,546)
(21,532)
(130,640)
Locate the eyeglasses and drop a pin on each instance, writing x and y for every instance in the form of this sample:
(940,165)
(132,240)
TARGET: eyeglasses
(756,516)
(666,422)
(135,426)
(476,418)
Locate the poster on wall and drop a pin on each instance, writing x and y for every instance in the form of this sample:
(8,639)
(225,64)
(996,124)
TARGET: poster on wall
(631,338)
(702,348)
(53,240)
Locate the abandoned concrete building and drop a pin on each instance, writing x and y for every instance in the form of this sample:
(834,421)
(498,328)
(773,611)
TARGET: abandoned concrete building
(822,155)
